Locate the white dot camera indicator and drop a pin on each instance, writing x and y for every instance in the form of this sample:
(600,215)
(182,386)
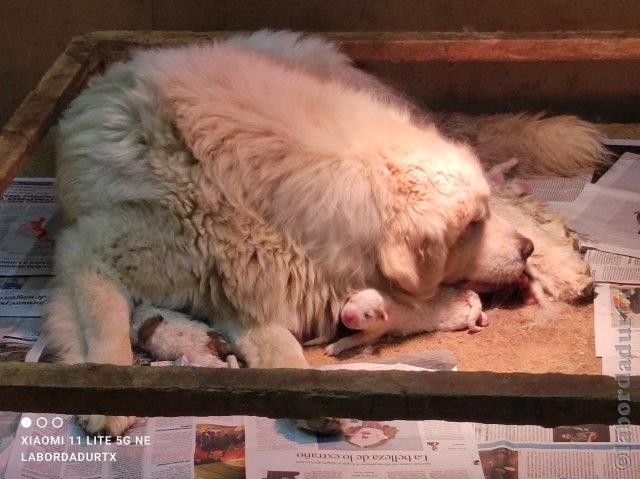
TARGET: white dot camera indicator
(25,422)
(42,422)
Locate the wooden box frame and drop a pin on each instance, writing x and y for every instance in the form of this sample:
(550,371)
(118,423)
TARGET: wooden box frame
(506,398)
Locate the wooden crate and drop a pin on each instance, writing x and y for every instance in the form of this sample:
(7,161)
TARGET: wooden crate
(593,74)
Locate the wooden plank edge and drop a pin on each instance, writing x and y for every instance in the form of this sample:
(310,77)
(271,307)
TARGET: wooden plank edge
(514,398)
(431,46)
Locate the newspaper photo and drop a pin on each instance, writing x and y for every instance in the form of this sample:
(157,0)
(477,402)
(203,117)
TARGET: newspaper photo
(617,321)
(277,449)
(584,452)
(29,219)
(607,219)
(613,268)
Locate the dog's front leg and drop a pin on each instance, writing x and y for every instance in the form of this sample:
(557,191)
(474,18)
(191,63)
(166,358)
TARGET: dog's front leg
(274,346)
(267,346)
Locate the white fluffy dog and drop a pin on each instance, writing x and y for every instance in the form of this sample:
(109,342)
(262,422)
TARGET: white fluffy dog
(254,183)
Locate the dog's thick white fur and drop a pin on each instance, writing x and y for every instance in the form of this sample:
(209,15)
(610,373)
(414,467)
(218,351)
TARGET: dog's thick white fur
(254,183)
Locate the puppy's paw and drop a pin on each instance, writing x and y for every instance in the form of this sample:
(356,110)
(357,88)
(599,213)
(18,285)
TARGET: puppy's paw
(98,425)
(322,425)
(332,349)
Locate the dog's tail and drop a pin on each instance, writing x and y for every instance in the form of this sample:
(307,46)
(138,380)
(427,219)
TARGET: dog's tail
(547,145)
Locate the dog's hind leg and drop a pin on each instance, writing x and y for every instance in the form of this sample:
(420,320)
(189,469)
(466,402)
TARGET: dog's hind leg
(64,334)
(89,316)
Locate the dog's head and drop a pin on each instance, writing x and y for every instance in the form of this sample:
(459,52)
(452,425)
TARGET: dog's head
(441,230)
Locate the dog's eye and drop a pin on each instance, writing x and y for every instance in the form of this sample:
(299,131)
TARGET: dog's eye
(471,228)
(367,315)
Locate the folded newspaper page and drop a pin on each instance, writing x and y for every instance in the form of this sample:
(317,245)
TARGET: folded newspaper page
(24,295)
(617,322)
(18,342)
(276,449)
(624,174)
(616,366)
(54,446)
(17,336)
(580,452)
(607,219)
(29,219)
(613,268)
(558,189)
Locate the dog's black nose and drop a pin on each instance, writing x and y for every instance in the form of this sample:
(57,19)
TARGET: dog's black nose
(526,247)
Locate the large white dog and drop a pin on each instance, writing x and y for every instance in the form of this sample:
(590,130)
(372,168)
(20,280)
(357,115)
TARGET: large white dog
(254,183)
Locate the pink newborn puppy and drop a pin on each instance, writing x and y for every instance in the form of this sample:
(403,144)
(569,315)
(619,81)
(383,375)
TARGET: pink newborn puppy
(374,314)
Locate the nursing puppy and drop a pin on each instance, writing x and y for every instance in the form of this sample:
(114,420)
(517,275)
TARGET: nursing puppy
(373,314)
(168,335)
(215,180)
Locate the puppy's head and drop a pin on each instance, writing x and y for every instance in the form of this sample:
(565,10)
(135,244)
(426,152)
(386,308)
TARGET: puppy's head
(363,309)
(441,229)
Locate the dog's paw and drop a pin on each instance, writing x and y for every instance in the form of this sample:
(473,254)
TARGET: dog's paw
(463,311)
(98,425)
(563,275)
(322,425)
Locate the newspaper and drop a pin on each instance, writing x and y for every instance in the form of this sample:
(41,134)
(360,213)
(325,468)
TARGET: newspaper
(617,323)
(18,342)
(619,146)
(558,189)
(615,366)
(621,142)
(607,219)
(624,174)
(371,449)
(24,295)
(54,446)
(29,219)
(613,268)
(17,337)
(580,452)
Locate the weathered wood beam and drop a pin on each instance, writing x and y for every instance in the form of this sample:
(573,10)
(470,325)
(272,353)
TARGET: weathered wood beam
(430,46)
(542,399)
(39,110)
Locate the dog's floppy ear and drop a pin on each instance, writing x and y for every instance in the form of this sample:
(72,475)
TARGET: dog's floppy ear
(416,270)
(398,263)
